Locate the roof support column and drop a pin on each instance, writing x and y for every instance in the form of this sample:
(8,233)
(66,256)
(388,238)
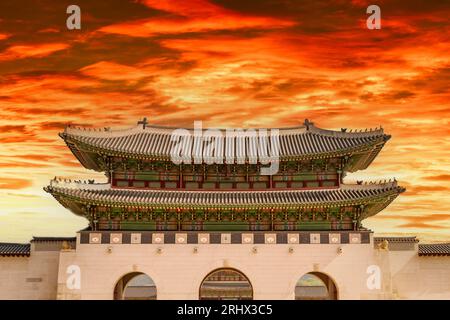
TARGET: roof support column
(271,219)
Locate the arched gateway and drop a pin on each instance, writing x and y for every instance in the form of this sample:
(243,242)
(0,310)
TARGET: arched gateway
(315,286)
(226,284)
(135,286)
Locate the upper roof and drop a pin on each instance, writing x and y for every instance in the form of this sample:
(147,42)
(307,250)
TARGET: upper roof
(156,143)
(14,249)
(374,197)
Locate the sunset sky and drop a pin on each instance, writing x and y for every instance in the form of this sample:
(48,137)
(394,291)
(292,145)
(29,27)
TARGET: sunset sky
(229,63)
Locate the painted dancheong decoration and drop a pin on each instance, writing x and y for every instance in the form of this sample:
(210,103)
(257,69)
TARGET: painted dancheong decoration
(146,190)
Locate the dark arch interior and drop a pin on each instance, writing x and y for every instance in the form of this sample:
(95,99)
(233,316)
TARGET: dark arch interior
(226,284)
(135,286)
(315,286)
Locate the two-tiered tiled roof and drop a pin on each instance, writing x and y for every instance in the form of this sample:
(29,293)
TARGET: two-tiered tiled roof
(94,149)
(156,143)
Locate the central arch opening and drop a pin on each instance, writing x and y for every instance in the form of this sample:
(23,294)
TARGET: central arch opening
(226,284)
(135,286)
(315,286)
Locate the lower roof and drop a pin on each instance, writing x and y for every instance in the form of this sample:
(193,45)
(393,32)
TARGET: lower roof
(374,197)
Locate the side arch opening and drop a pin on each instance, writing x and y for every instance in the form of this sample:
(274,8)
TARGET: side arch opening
(315,286)
(135,286)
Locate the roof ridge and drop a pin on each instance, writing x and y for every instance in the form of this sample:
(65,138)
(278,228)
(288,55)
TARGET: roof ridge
(107,132)
(15,243)
(69,184)
(396,238)
(52,239)
(77,184)
(435,244)
(348,134)
(367,184)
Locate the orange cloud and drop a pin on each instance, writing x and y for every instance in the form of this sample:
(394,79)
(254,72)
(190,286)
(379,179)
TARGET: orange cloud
(235,63)
(199,8)
(14,183)
(426,189)
(439,177)
(31,51)
(113,71)
(36,157)
(415,219)
(193,16)
(19,164)
(422,225)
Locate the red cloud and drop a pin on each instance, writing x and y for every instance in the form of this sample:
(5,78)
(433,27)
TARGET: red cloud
(198,8)
(31,51)
(113,71)
(260,65)
(193,16)
(4,36)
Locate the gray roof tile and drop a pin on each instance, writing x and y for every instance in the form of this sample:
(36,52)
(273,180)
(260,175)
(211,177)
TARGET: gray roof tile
(437,249)
(396,239)
(298,142)
(374,196)
(14,249)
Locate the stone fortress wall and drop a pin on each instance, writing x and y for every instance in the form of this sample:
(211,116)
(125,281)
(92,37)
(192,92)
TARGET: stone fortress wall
(273,269)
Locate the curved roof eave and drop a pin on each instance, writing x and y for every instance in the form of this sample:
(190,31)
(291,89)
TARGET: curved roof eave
(374,196)
(152,142)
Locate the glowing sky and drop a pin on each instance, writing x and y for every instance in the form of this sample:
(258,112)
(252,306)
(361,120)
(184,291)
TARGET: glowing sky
(229,63)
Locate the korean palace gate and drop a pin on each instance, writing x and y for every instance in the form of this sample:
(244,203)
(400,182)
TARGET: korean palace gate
(149,199)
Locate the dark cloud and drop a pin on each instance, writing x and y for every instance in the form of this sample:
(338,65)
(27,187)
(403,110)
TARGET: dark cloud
(48,17)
